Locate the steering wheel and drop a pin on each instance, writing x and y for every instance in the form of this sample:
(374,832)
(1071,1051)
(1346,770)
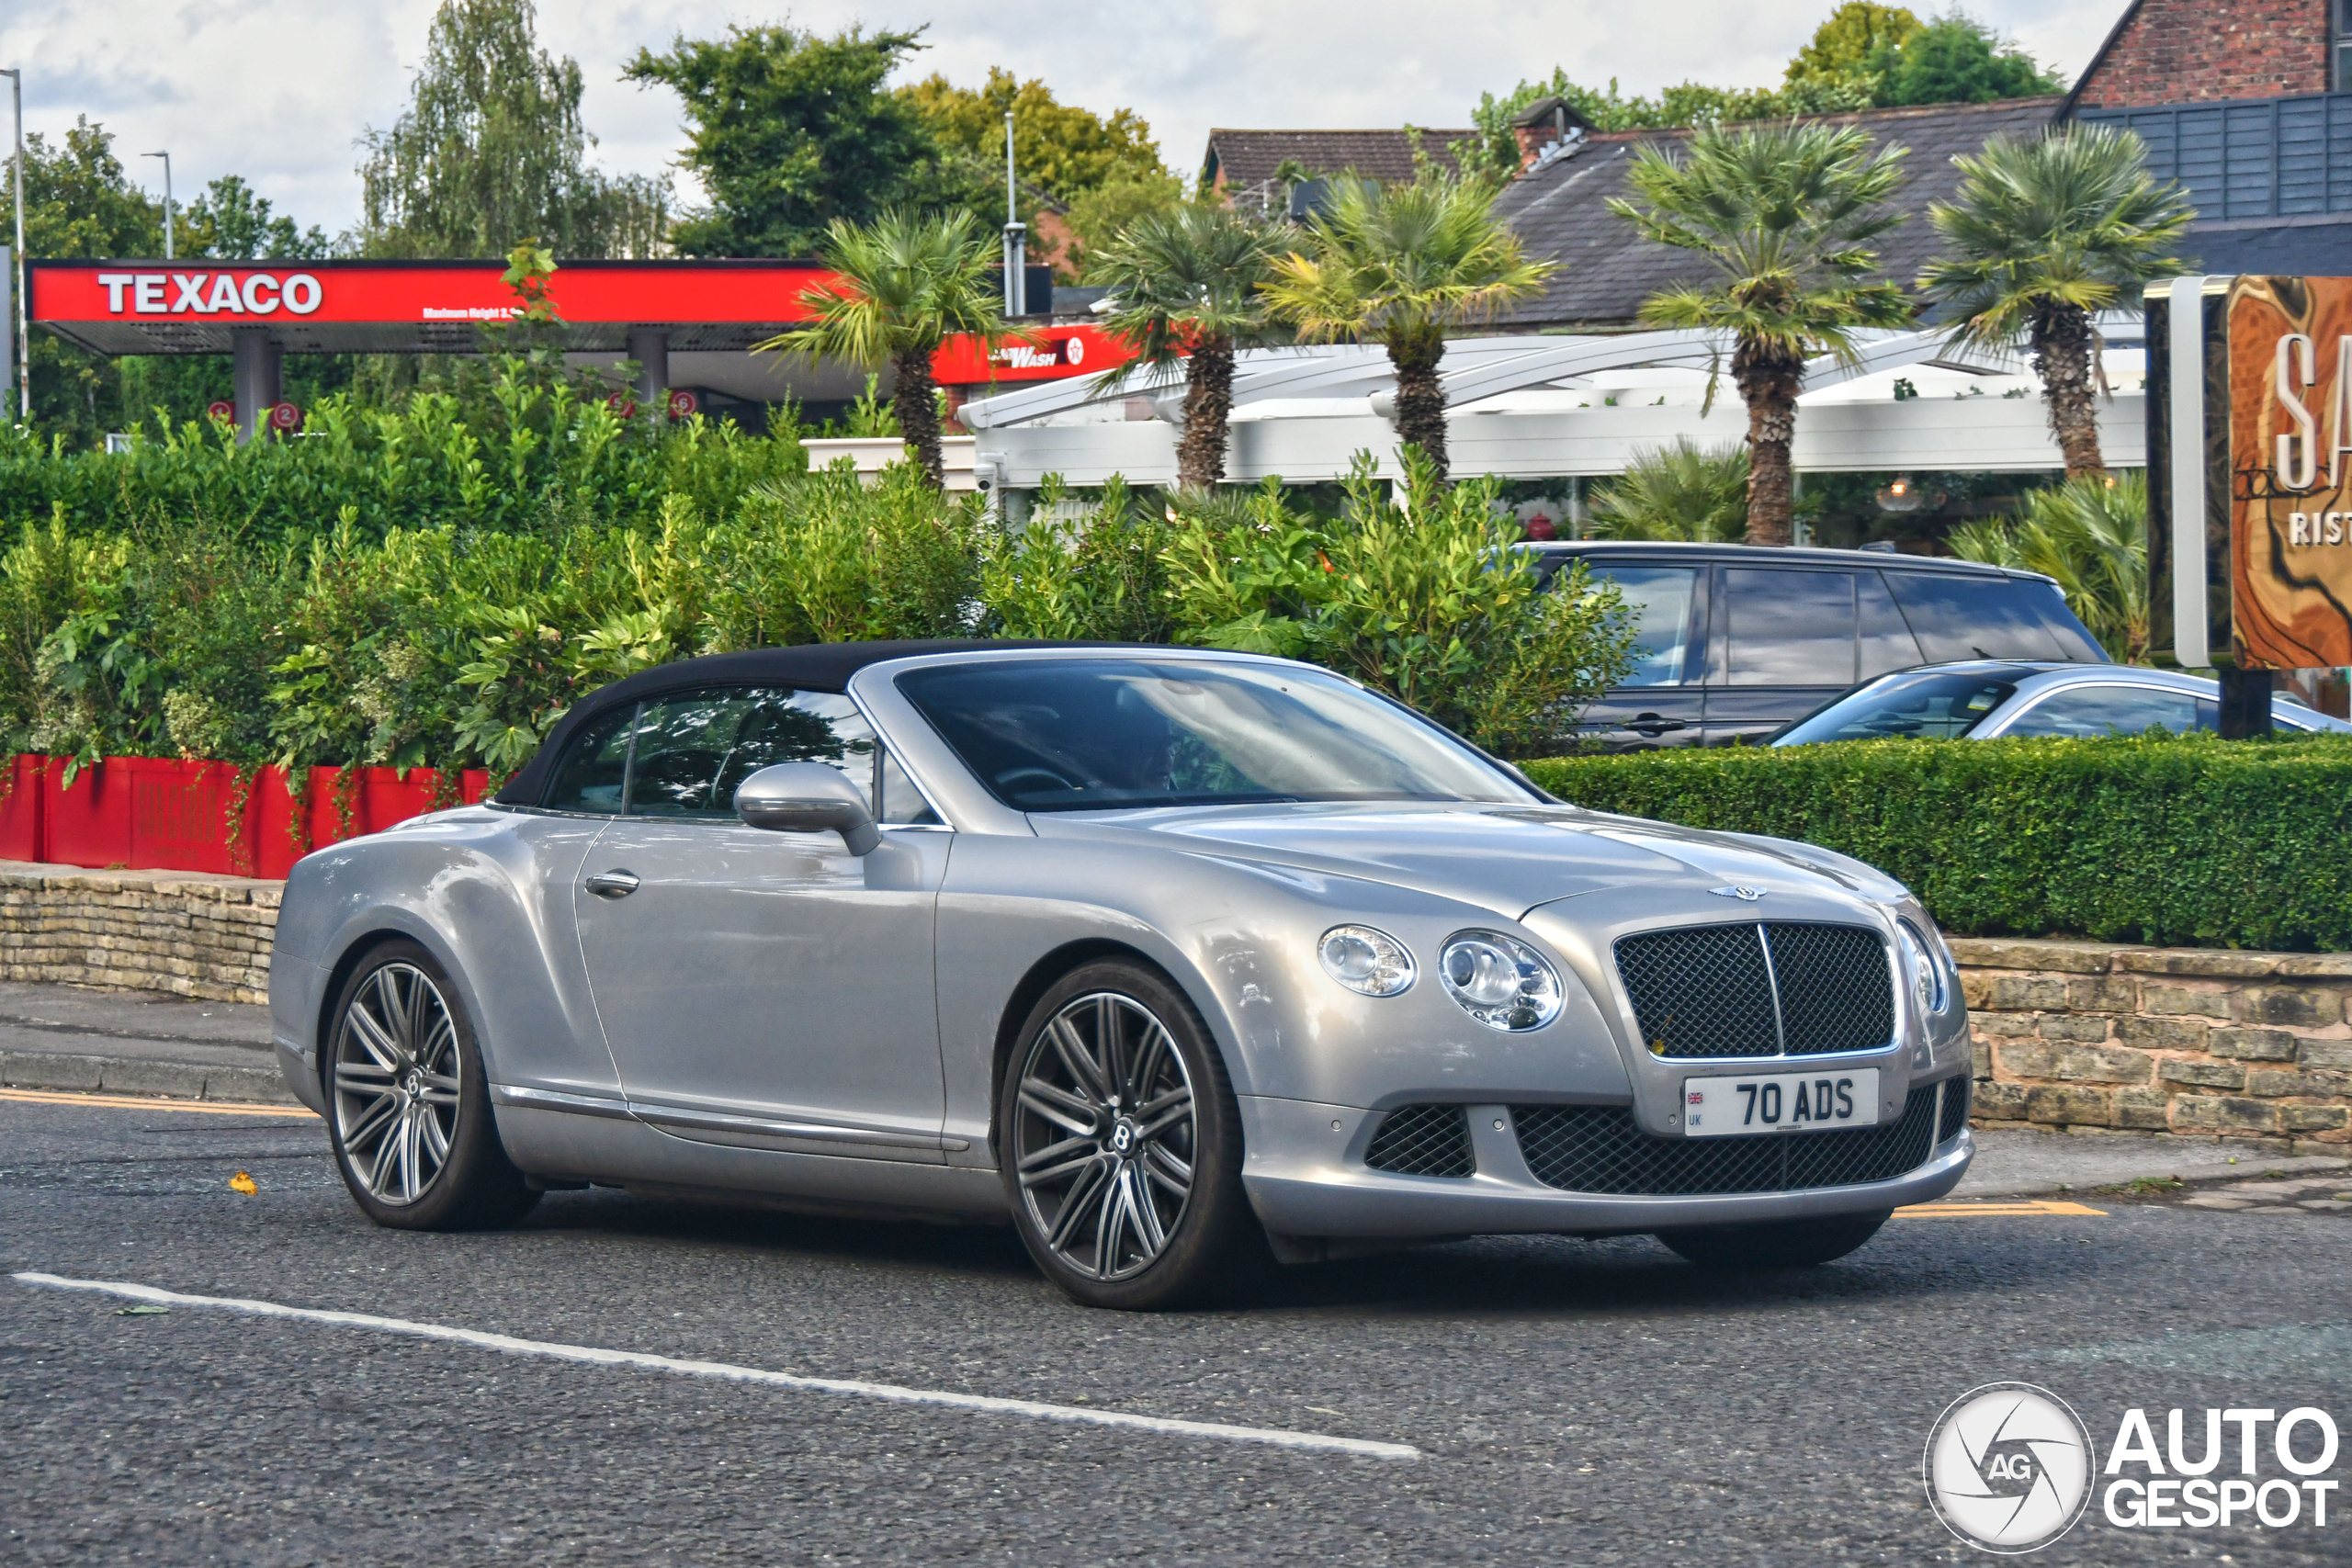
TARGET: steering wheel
(1006,779)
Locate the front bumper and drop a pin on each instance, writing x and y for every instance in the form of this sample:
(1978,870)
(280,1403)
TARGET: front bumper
(1306,1177)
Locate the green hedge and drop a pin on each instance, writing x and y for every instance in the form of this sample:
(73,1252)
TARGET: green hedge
(2186,841)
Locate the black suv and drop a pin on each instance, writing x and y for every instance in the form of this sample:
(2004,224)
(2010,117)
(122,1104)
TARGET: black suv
(1736,640)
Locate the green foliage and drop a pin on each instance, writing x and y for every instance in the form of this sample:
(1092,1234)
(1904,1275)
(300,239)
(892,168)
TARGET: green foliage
(2091,534)
(904,284)
(1845,45)
(1955,60)
(491,148)
(1060,149)
(2185,840)
(2061,221)
(230,222)
(1423,600)
(525,452)
(792,132)
(1398,264)
(1678,491)
(1785,214)
(1098,217)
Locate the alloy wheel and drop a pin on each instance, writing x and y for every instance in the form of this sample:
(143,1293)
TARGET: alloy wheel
(1103,1139)
(395,1083)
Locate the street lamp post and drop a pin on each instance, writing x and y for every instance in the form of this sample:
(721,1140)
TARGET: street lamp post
(167,157)
(24,333)
(1016,276)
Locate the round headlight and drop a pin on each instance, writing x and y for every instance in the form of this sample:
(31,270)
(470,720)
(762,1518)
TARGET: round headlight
(1368,962)
(1500,980)
(1927,974)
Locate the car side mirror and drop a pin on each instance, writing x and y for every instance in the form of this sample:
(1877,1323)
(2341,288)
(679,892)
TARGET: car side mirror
(807,797)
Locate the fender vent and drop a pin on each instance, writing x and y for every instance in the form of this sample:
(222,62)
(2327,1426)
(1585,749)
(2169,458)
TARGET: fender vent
(1423,1140)
(1955,1117)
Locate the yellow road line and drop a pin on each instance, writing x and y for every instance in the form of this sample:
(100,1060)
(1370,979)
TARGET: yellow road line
(213,1107)
(1977,1211)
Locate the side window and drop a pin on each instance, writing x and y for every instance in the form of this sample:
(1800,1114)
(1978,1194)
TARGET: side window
(1790,628)
(591,777)
(1972,618)
(1658,598)
(696,749)
(2114,710)
(902,803)
(1887,644)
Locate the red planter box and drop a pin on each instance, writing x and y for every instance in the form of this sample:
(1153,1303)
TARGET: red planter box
(155,813)
(87,822)
(20,813)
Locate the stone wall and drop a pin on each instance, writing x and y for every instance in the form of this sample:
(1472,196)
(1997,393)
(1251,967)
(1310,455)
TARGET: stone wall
(181,931)
(2207,1043)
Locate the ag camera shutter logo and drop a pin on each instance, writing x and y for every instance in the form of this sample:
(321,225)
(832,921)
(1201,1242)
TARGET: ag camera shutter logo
(2009,1467)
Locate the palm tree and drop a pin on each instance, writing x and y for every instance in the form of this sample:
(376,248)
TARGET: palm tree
(1400,265)
(1785,214)
(2042,234)
(1678,492)
(907,283)
(1185,284)
(2091,535)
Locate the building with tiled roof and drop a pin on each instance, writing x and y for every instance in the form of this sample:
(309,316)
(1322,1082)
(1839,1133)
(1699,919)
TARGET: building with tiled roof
(1241,164)
(1560,207)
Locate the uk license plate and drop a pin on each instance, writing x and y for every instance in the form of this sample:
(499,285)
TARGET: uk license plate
(1780,1103)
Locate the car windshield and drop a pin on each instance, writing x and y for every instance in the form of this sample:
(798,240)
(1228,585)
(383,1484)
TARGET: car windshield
(1927,705)
(1091,734)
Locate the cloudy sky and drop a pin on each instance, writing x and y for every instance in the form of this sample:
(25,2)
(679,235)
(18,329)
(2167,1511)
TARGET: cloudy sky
(278,93)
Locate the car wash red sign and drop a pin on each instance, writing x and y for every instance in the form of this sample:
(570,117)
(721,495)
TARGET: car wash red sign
(1041,355)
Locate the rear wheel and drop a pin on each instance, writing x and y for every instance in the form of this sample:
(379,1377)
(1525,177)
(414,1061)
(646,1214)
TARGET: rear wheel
(408,1104)
(1121,1143)
(1785,1244)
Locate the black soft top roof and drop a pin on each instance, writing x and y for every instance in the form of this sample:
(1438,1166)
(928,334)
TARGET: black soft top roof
(811,667)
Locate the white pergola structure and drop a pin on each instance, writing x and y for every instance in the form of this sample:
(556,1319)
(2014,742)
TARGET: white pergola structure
(1560,407)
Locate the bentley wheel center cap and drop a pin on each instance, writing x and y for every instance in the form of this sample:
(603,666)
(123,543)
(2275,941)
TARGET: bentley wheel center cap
(1122,1137)
(415,1083)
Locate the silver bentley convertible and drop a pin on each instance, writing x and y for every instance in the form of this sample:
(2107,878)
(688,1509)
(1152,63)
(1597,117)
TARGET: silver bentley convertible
(1173,958)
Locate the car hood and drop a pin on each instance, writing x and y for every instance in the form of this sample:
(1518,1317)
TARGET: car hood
(1508,859)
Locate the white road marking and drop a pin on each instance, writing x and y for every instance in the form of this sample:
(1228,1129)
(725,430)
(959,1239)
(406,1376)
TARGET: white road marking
(595,1356)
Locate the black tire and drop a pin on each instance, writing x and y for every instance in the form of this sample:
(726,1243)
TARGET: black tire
(1080,1164)
(389,1104)
(1785,1244)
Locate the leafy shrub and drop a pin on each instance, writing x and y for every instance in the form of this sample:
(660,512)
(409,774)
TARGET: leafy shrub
(2182,840)
(2091,534)
(1681,490)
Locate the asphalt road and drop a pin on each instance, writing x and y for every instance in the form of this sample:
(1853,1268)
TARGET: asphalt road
(1572,1401)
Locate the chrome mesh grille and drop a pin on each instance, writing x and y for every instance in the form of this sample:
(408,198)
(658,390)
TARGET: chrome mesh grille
(1955,1117)
(1423,1140)
(1599,1148)
(1758,991)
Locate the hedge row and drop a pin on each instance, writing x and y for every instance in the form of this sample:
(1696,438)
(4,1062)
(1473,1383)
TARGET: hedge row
(2181,841)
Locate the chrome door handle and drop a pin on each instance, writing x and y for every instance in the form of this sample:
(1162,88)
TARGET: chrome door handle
(612,885)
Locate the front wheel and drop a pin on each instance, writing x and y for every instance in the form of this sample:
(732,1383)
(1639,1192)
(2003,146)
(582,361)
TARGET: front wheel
(1121,1143)
(1784,1244)
(408,1103)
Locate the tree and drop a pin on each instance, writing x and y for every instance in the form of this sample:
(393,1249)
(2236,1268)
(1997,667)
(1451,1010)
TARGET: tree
(1678,491)
(1845,45)
(78,202)
(1060,149)
(491,148)
(1785,215)
(2042,234)
(230,222)
(792,133)
(1186,285)
(1398,264)
(2091,535)
(1955,60)
(1101,215)
(905,284)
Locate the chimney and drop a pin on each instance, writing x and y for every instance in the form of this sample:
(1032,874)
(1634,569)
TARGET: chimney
(1547,130)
